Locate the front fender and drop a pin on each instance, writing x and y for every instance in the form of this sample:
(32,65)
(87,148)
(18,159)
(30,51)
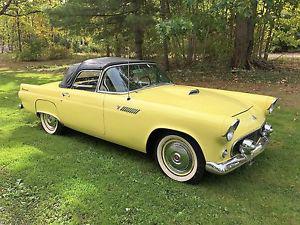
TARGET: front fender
(203,128)
(262,102)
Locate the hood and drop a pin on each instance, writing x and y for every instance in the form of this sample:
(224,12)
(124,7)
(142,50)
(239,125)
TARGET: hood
(207,100)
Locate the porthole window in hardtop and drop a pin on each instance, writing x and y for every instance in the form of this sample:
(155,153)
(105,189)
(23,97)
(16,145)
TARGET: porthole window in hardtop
(87,80)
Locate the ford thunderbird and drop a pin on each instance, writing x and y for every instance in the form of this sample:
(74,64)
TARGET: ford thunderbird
(134,104)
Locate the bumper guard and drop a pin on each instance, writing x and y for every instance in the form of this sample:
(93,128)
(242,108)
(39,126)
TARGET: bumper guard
(248,150)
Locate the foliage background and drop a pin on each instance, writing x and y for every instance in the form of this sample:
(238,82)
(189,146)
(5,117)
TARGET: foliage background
(174,32)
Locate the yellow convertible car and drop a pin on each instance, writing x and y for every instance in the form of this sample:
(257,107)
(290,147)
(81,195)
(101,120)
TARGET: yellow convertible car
(132,103)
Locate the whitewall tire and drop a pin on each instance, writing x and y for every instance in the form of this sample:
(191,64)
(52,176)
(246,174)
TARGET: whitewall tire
(51,124)
(180,157)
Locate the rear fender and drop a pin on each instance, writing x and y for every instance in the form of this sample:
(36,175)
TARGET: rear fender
(48,107)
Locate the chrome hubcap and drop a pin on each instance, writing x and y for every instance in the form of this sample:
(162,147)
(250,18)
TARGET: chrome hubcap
(50,122)
(177,157)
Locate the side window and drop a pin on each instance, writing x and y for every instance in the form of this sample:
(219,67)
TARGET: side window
(87,80)
(114,80)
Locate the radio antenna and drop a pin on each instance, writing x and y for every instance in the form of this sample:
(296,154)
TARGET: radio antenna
(128,71)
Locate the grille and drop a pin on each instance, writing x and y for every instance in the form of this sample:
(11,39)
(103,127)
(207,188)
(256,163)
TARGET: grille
(254,136)
(129,110)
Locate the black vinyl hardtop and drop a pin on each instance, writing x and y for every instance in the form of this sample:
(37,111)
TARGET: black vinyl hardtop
(94,64)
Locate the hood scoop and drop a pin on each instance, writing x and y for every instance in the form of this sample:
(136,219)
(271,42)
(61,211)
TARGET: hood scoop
(194,92)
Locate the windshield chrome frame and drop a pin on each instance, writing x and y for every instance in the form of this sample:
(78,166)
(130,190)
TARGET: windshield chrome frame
(125,92)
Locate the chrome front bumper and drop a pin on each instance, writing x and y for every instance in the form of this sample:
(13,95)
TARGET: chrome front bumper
(248,150)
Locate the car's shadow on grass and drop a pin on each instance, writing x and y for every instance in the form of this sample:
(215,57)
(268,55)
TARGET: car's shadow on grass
(75,148)
(109,146)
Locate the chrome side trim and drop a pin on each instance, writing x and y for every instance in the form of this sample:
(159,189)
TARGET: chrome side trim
(237,160)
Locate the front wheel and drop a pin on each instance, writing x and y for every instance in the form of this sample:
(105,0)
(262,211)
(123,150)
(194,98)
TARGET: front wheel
(51,124)
(180,157)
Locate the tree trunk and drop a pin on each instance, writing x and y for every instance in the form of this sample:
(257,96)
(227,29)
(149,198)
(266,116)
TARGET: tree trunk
(166,54)
(138,31)
(243,42)
(10,35)
(107,49)
(181,43)
(261,40)
(51,26)
(269,38)
(118,46)
(256,43)
(164,15)
(19,30)
(260,32)
(191,39)
(231,22)
(138,40)
(251,28)
(190,49)
(2,44)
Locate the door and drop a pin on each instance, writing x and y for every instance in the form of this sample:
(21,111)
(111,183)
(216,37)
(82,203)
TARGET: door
(81,107)
(123,116)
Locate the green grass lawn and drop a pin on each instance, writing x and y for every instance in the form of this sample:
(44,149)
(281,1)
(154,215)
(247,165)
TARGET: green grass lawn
(79,179)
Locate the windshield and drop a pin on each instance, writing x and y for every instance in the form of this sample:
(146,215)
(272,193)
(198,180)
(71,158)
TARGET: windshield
(140,76)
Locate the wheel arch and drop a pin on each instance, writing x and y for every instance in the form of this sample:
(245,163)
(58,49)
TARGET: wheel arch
(46,106)
(158,132)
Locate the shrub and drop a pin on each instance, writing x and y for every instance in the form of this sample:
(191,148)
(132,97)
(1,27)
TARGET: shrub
(27,55)
(78,48)
(57,52)
(32,51)
(93,48)
(87,48)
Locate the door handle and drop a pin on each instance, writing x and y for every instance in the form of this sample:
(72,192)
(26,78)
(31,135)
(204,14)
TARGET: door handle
(65,94)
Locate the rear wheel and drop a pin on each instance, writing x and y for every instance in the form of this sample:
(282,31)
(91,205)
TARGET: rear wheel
(51,124)
(180,157)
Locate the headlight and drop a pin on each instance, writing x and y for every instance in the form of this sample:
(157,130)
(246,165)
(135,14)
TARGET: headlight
(272,106)
(230,132)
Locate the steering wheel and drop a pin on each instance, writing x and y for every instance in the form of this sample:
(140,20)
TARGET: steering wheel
(147,77)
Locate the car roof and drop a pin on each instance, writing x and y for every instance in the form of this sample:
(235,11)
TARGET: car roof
(101,63)
(94,64)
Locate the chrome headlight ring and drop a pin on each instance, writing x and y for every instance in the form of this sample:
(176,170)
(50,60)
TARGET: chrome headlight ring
(266,130)
(272,106)
(230,132)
